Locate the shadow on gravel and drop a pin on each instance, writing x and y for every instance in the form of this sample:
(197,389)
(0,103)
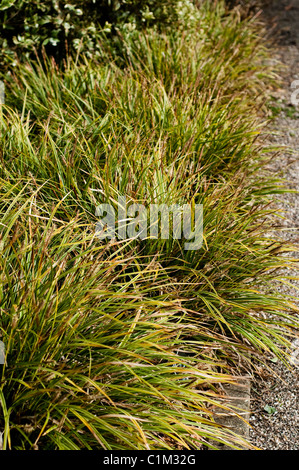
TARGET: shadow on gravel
(283,19)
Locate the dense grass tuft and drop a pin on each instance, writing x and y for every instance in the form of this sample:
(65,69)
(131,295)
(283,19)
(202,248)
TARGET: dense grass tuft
(123,344)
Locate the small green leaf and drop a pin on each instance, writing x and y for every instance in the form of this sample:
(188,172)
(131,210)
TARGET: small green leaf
(274,359)
(6,4)
(270,409)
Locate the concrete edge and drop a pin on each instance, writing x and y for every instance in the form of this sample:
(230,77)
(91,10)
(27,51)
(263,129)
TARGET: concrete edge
(236,396)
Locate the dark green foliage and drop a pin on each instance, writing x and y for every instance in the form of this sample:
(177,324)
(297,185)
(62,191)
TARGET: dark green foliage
(26,25)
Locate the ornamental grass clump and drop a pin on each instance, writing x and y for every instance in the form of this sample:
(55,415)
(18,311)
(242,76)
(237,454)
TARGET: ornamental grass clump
(124,344)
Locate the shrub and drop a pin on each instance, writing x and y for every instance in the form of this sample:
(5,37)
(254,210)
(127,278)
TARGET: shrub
(26,25)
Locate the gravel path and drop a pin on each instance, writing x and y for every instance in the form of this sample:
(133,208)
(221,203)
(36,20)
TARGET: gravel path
(275,396)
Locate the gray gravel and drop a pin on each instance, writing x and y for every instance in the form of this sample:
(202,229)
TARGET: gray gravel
(275,395)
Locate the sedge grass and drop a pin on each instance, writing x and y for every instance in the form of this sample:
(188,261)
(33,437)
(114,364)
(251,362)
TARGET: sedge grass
(122,345)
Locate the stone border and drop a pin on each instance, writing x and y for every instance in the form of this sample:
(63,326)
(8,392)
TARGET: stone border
(237,396)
